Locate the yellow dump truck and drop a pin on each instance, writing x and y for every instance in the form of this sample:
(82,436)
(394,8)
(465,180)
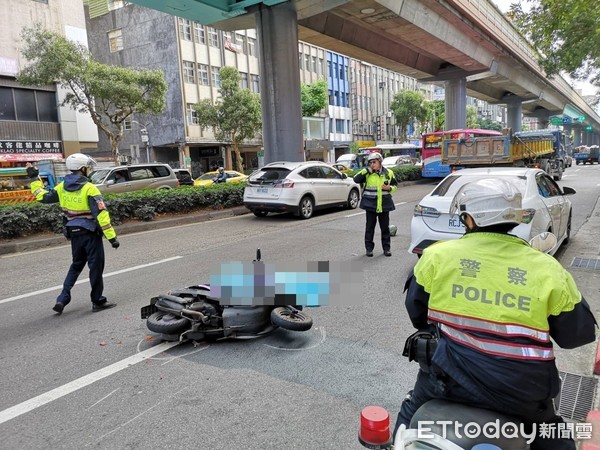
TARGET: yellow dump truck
(527,149)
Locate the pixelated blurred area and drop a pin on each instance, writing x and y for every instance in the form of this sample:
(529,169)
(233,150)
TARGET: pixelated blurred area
(314,283)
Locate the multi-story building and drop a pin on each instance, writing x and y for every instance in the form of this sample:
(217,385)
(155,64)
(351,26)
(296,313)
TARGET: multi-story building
(190,56)
(32,124)
(313,67)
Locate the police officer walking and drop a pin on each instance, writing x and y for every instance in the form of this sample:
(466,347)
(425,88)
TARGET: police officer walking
(495,302)
(379,184)
(85,219)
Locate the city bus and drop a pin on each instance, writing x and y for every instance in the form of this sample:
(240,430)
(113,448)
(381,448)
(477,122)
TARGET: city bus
(431,152)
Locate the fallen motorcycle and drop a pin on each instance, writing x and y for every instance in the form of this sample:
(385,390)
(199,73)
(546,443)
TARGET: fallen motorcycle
(192,313)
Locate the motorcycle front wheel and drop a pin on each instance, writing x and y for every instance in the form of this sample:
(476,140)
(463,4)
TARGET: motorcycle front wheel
(166,323)
(291,320)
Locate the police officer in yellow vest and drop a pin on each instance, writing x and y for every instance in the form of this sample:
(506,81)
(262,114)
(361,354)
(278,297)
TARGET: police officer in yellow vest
(379,184)
(495,302)
(85,221)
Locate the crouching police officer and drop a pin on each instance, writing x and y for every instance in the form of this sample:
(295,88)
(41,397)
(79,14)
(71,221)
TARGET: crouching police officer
(85,220)
(495,302)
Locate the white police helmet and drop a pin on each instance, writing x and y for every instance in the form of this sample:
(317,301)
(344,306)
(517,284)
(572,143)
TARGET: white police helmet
(373,156)
(489,201)
(77,161)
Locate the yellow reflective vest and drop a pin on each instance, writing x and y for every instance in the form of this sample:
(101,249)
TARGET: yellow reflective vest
(83,207)
(496,285)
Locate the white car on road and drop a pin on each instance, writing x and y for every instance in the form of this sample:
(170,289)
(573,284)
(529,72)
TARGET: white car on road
(299,188)
(546,207)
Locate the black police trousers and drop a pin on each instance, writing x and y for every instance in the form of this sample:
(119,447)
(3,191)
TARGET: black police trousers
(433,386)
(86,248)
(384,226)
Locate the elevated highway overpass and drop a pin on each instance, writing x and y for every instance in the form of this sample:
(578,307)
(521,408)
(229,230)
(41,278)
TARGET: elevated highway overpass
(466,45)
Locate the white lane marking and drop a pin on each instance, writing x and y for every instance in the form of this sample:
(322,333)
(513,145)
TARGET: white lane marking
(39,250)
(61,391)
(355,214)
(118,272)
(401,203)
(104,398)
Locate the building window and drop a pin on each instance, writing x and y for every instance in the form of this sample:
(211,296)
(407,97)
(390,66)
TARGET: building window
(185,29)
(28,105)
(127,124)
(251,47)
(216,79)
(200,33)
(41,1)
(213,37)
(189,74)
(243,80)
(255,84)
(240,40)
(306,62)
(320,66)
(191,114)
(203,75)
(113,4)
(115,40)
(314,64)
(339,126)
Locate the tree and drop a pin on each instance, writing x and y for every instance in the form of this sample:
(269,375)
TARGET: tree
(110,94)
(313,97)
(472,117)
(487,124)
(407,107)
(235,116)
(566,33)
(436,114)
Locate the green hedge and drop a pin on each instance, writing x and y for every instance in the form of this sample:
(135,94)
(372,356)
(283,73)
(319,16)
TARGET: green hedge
(402,173)
(22,219)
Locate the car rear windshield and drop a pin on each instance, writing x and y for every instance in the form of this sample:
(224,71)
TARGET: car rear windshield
(451,185)
(268,175)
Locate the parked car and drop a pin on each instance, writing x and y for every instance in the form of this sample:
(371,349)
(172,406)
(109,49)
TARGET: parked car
(546,207)
(134,177)
(341,167)
(184,176)
(393,161)
(299,188)
(232,177)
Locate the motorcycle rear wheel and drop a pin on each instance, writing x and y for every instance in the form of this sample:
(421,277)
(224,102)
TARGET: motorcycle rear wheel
(293,321)
(167,323)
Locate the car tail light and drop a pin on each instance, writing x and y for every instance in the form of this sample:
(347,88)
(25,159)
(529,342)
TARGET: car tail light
(284,184)
(528,215)
(425,211)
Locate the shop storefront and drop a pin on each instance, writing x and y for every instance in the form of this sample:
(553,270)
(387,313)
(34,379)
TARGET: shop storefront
(15,153)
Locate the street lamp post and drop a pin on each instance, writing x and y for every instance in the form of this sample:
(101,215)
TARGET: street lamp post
(144,137)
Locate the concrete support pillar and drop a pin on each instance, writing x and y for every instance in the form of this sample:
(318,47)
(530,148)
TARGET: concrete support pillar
(456,104)
(576,136)
(277,30)
(514,115)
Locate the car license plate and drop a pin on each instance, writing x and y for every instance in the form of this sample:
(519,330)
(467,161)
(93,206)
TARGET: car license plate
(262,190)
(454,223)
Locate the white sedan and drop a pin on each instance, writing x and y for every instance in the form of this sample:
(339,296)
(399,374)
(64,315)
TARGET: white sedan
(546,207)
(299,188)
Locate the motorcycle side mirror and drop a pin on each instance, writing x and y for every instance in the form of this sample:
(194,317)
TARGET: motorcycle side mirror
(257,254)
(544,242)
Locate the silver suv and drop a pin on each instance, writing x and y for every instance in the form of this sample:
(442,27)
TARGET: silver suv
(299,188)
(134,177)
